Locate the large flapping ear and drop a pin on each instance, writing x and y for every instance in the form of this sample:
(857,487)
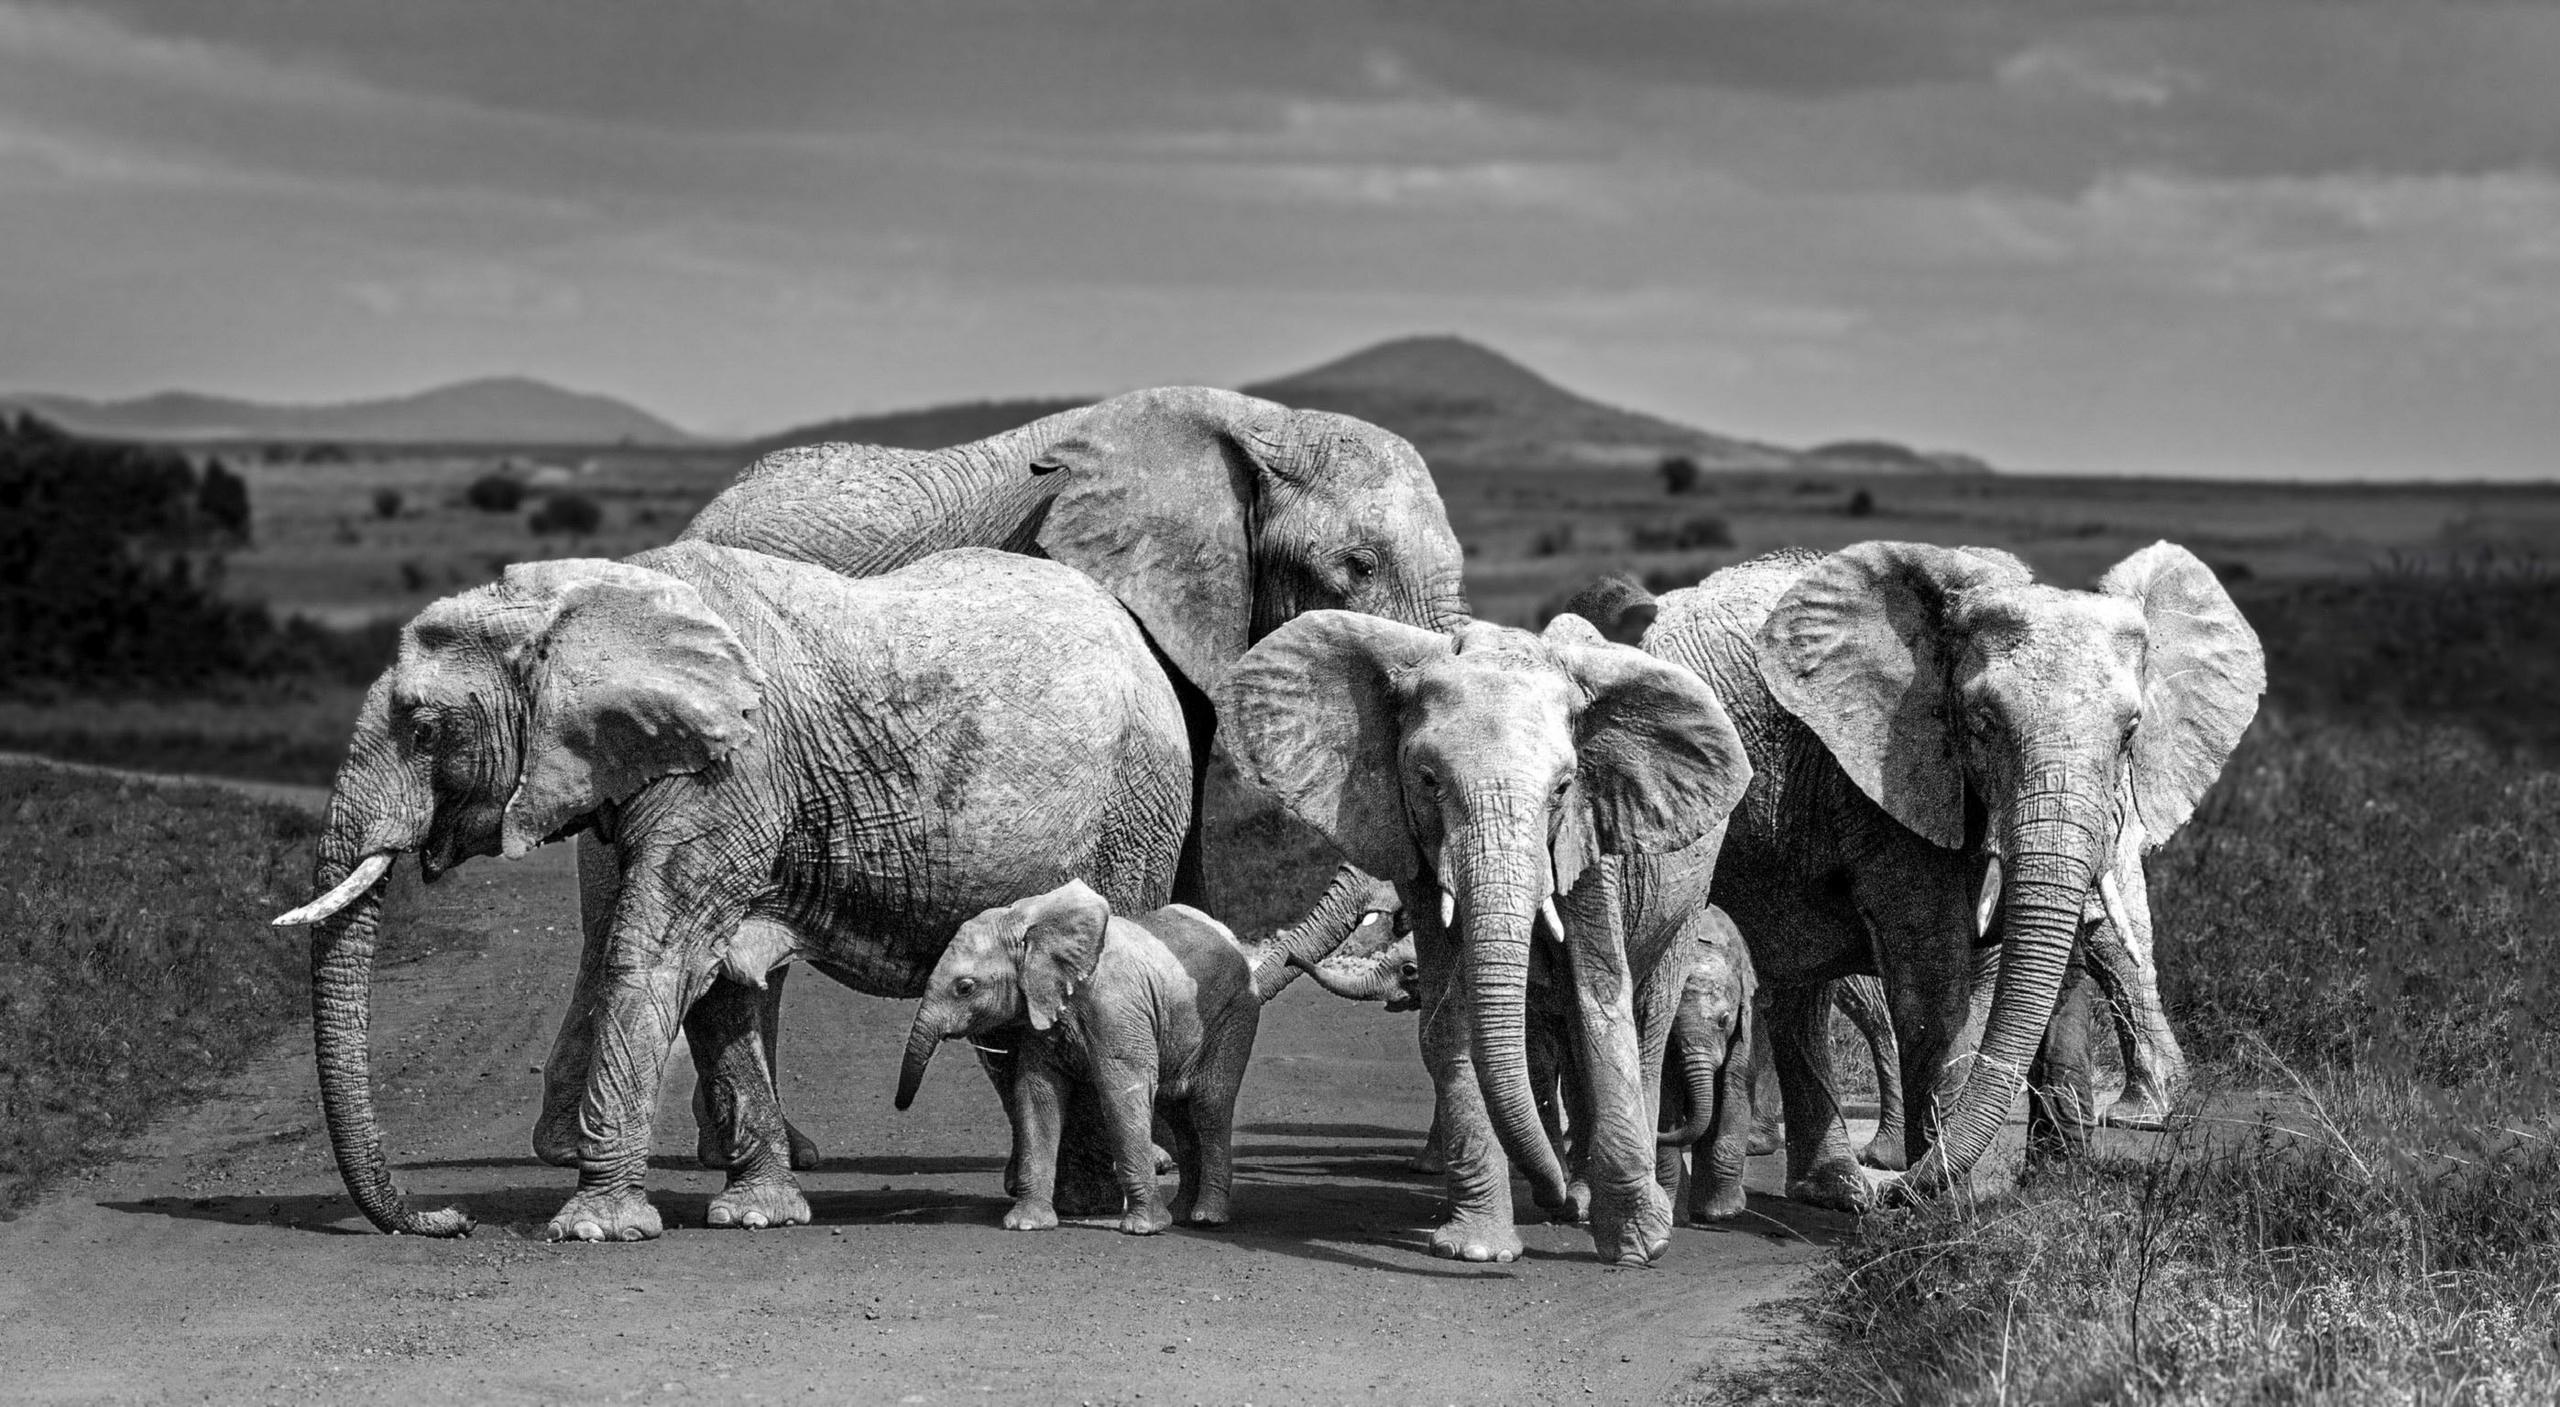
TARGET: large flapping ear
(1156,503)
(630,679)
(1861,650)
(1310,715)
(2202,673)
(1661,764)
(1062,935)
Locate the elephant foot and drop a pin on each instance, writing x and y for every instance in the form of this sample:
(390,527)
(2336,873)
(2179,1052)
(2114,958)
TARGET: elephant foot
(1633,1236)
(2142,1109)
(1723,1202)
(1030,1214)
(757,1205)
(1885,1151)
(1841,1186)
(623,1214)
(1207,1209)
(1766,1139)
(1576,1210)
(1145,1220)
(1163,1161)
(710,1152)
(1476,1239)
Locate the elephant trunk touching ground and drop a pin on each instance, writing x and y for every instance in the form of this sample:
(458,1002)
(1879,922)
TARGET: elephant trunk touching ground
(378,809)
(2053,842)
(1498,901)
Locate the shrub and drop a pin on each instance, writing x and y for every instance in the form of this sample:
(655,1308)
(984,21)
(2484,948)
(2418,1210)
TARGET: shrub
(1680,474)
(1860,504)
(386,503)
(1551,541)
(1688,535)
(223,498)
(495,493)
(574,514)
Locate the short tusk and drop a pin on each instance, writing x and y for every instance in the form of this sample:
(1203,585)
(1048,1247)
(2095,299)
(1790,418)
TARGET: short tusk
(364,876)
(1448,909)
(1555,921)
(1989,900)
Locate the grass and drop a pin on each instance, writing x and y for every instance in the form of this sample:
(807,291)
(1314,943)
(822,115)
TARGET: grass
(2356,939)
(278,733)
(136,964)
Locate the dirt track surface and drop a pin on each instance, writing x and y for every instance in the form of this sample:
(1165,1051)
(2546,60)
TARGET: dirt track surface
(221,1260)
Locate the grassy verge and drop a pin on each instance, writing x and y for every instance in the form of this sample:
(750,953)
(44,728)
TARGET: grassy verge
(279,734)
(136,964)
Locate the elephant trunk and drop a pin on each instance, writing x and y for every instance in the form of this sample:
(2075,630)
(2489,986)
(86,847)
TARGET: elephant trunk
(1359,980)
(2052,852)
(1352,896)
(1700,1056)
(1498,899)
(341,1014)
(922,1040)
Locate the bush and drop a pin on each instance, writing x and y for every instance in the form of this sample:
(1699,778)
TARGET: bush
(495,493)
(223,498)
(386,503)
(1551,541)
(574,514)
(1860,504)
(1690,534)
(1680,474)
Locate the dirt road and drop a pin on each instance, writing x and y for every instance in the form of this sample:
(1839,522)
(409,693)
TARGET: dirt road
(221,1261)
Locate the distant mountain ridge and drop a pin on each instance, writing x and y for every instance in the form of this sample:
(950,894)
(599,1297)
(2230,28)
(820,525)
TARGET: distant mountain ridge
(496,409)
(1462,405)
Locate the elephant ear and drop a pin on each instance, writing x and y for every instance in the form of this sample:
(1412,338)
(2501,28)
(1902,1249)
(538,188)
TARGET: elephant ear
(1156,503)
(1661,764)
(1619,606)
(630,678)
(2202,674)
(1310,715)
(1860,649)
(1062,935)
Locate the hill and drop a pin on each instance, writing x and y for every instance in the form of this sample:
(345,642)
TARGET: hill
(491,410)
(1465,404)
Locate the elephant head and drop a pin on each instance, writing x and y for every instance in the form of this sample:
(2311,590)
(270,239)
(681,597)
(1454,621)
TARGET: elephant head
(1381,968)
(1982,710)
(1491,769)
(514,713)
(1007,966)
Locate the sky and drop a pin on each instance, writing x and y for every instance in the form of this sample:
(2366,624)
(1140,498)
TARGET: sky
(2217,237)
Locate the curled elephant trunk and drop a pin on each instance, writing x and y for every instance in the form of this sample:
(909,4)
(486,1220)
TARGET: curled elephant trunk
(1497,909)
(922,1041)
(1362,980)
(1698,1069)
(2052,851)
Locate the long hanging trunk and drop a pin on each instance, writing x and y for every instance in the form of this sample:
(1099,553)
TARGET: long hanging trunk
(1497,899)
(341,1013)
(2051,855)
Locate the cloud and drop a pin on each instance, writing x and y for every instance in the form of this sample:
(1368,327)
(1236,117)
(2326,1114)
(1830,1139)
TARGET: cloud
(2069,71)
(479,290)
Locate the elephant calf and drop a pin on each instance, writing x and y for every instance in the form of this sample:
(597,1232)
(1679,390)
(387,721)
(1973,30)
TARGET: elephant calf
(1707,1113)
(1146,1017)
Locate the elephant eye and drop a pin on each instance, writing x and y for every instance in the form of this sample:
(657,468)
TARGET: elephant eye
(1430,780)
(964,986)
(423,732)
(1360,562)
(1410,971)
(1563,784)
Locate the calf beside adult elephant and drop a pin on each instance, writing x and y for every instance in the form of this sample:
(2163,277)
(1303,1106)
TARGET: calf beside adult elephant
(1506,781)
(1211,516)
(1909,711)
(776,762)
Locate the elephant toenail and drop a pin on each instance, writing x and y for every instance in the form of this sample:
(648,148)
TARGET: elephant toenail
(756,1221)
(721,1216)
(631,1233)
(589,1231)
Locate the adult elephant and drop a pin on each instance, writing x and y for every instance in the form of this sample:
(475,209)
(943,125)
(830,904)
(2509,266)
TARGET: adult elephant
(1909,710)
(783,762)
(1506,781)
(1211,516)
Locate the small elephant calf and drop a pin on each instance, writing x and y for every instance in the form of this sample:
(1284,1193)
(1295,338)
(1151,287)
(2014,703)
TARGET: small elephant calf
(1143,1018)
(1707,1110)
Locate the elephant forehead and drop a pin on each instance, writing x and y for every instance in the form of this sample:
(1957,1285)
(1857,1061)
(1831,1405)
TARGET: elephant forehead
(1518,698)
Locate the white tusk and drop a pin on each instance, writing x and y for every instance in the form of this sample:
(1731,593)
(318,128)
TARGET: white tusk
(364,876)
(1989,901)
(2112,896)
(1448,909)
(1555,921)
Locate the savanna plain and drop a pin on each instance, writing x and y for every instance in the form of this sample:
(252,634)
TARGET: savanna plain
(2361,1201)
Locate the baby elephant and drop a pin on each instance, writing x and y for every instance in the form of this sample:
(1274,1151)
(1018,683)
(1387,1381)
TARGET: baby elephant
(1706,1087)
(1141,1018)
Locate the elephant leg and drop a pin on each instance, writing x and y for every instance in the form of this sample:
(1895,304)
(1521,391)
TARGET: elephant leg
(1863,1001)
(716,1143)
(1035,1100)
(1630,1218)
(564,1075)
(1820,1170)
(2061,1108)
(2122,962)
(738,1087)
(1128,1098)
(1210,1112)
(636,1018)
(1564,1107)
(1768,1110)
(1480,1222)
(1083,1183)
(1657,1004)
(1432,1157)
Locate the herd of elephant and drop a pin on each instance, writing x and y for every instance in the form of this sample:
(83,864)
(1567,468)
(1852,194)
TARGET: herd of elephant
(939,725)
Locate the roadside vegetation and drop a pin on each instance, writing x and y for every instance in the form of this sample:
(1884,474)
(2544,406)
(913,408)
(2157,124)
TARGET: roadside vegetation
(136,964)
(2357,939)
